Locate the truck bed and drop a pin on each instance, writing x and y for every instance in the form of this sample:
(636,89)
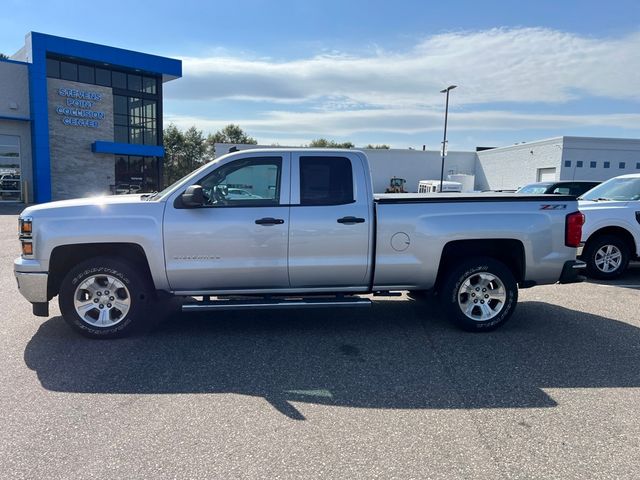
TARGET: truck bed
(390,198)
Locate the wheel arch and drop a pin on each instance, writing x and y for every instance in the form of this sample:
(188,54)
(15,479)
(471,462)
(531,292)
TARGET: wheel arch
(65,257)
(617,231)
(506,250)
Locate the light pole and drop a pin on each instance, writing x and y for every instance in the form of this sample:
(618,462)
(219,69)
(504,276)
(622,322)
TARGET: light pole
(444,140)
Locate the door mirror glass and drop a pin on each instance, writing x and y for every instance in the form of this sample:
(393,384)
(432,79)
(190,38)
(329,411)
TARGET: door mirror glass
(193,196)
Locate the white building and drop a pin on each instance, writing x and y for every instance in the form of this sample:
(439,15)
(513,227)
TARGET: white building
(503,168)
(560,158)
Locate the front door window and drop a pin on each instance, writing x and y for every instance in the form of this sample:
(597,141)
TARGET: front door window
(251,182)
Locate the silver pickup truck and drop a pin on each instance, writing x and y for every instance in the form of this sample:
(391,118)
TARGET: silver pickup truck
(290,228)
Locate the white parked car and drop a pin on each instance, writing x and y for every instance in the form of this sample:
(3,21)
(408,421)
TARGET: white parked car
(611,233)
(240,194)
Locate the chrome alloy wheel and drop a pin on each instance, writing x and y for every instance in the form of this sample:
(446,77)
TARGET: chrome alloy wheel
(481,296)
(608,258)
(102,301)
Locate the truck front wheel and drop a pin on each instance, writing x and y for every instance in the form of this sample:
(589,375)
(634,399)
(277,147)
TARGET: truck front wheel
(104,298)
(480,294)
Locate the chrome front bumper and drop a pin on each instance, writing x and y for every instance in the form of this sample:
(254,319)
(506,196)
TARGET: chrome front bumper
(31,284)
(32,281)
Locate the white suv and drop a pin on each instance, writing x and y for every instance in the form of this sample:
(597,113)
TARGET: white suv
(611,233)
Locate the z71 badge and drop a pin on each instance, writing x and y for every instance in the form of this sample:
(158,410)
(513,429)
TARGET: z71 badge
(557,206)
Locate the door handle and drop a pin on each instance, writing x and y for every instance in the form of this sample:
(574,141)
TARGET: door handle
(269,221)
(350,220)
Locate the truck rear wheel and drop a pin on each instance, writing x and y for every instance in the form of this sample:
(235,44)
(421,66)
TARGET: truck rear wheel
(480,294)
(104,298)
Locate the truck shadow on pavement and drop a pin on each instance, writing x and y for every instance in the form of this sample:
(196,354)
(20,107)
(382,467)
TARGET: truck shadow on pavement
(390,357)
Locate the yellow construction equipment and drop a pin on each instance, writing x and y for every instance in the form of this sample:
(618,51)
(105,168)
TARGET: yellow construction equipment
(396,185)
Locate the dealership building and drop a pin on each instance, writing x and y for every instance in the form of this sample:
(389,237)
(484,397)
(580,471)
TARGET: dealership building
(80,119)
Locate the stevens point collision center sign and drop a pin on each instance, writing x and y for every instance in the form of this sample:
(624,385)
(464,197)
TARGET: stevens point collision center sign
(79,108)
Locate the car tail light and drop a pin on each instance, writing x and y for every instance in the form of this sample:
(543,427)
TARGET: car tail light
(573,229)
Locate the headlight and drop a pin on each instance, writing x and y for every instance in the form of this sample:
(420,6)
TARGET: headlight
(25,227)
(27,248)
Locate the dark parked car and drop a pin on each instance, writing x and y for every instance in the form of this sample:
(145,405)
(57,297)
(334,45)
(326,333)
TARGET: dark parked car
(569,187)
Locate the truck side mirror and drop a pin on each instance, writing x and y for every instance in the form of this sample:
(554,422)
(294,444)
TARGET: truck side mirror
(193,196)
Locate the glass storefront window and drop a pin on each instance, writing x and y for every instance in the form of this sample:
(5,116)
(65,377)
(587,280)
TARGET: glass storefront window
(10,168)
(120,120)
(151,175)
(120,105)
(135,135)
(134,82)
(53,68)
(149,85)
(86,74)
(136,175)
(119,80)
(150,108)
(103,77)
(138,116)
(121,134)
(135,107)
(69,71)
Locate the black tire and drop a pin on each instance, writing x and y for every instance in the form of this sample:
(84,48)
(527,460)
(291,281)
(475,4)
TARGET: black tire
(137,292)
(592,254)
(453,299)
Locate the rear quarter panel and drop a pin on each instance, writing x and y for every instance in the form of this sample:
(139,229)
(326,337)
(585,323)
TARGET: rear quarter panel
(430,226)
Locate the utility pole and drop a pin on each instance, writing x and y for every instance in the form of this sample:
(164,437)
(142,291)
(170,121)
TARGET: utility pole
(444,140)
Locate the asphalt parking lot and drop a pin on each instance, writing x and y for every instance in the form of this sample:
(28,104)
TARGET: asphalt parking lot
(390,392)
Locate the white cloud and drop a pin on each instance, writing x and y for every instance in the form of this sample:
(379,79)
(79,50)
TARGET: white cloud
(344,123)
(385,93)
(498,65)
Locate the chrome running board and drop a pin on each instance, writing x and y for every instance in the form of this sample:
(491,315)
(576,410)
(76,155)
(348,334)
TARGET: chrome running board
(269,304)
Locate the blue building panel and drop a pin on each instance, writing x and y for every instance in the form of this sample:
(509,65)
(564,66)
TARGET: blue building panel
(127,149)
(168,68)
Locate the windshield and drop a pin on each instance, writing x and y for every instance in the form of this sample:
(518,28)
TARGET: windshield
(620,189)
(534,188)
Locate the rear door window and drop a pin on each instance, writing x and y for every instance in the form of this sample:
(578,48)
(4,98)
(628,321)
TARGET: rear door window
(326,181)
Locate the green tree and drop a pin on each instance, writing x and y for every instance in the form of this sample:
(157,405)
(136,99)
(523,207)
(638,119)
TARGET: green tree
(173,140)
(231,134)
(378,147)
(3,56)
(195,148)
(324,143)
(184,152)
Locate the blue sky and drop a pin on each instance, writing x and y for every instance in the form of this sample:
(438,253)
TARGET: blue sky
(370,71)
